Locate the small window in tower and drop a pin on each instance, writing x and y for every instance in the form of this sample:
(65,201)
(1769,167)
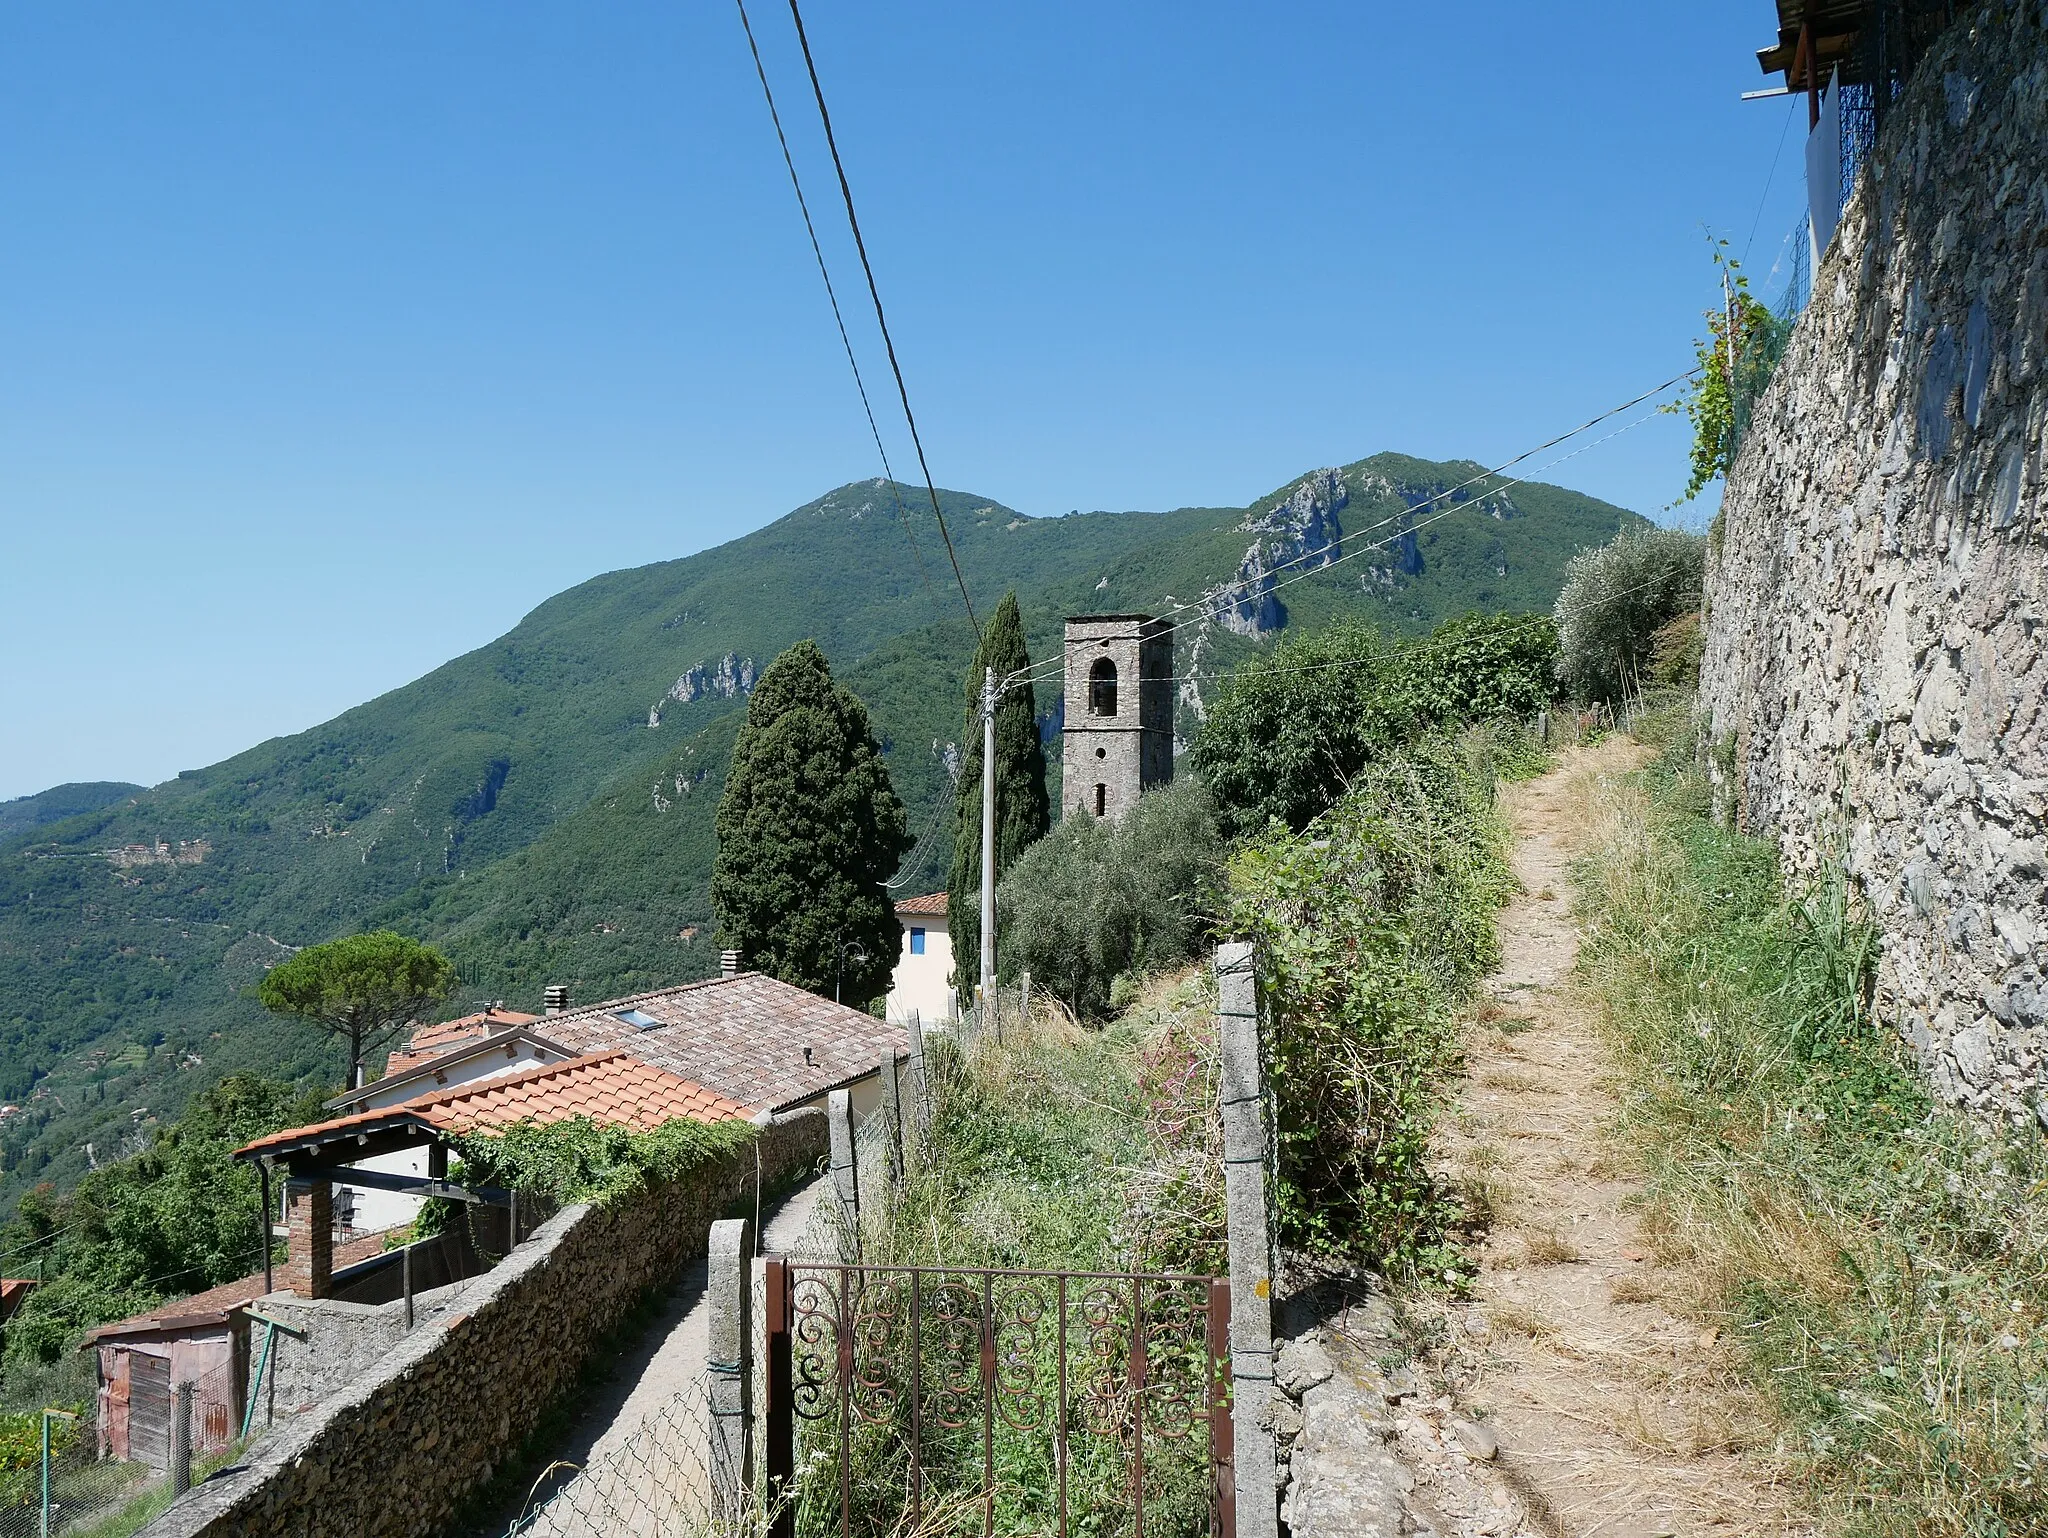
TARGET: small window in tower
(1101,800)
(917,942)
(1102,688)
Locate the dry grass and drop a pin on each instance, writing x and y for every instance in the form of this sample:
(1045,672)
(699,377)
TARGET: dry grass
(1517,1320)
(1630,1288)
(1876,1268)
(1543,1247)
(1518,1083)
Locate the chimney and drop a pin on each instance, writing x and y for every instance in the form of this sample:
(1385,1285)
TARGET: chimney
(728,963)
(555,999)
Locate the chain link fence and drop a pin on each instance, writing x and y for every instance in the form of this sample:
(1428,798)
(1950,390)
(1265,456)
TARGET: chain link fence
(107,1474)
(656,1484)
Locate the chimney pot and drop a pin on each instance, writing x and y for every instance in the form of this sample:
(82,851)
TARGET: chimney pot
(555,999)
(728,963)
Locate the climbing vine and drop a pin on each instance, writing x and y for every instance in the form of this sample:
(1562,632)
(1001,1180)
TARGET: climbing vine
(579,1161)
(1718,400)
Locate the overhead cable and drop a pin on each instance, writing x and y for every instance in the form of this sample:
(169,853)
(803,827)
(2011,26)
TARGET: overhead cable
(832,294)
(881,320)
(1204,605)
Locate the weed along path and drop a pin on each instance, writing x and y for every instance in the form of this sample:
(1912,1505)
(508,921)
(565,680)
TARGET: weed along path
(1615,1415)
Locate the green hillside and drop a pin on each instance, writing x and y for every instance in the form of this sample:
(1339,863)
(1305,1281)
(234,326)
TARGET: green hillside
(516,805)
(59,802)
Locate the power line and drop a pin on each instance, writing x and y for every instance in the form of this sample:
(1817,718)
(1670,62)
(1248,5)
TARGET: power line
(832,294)
(1512,628)
(1205,606)
(881,320)
(1765,196)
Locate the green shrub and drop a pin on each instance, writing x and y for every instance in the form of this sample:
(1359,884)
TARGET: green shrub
(1096,899)
(178,1217)
(1287,732)
(579,1161)
(1615,600)
(1371,927)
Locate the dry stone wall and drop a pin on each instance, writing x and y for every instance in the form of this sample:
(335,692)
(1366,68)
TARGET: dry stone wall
(393,1453)
(1876,671)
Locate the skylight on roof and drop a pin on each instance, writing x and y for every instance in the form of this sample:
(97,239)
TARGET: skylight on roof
(638,1019)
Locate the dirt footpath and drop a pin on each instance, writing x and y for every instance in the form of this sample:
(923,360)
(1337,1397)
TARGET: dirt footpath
(1615,1415)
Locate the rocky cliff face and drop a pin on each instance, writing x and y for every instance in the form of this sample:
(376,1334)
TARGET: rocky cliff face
(1299,528)
(1876,672)
(730,678)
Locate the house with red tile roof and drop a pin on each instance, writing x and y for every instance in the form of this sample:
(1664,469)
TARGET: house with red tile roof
(922,985)
(487,1045)
(732,1047)
(432,1040)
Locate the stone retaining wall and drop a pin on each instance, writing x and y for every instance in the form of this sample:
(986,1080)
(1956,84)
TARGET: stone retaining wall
(392,1454)
(1877,625)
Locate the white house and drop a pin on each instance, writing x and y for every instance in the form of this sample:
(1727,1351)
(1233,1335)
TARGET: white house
(488,1045)
(923,981)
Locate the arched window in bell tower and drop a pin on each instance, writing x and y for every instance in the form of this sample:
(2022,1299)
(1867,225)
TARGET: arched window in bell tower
(1102,688)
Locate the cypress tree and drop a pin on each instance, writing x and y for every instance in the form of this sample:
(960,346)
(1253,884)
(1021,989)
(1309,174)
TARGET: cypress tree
(1023,811)
(809,828)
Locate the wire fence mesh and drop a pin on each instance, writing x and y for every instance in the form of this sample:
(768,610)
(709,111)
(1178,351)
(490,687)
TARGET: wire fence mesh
(655,1484)
(114,1468)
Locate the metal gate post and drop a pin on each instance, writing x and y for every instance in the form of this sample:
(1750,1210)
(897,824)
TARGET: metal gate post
(1222,1459)
(779,1411)
(1242,1104)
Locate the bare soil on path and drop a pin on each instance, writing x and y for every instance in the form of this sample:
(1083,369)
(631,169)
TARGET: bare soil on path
(1617,1417)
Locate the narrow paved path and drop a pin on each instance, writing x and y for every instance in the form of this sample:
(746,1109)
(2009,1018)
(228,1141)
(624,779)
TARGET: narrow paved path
(641,1440)
(1616,1417)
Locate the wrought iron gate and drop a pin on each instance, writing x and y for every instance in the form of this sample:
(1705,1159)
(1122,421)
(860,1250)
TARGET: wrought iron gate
(897,1392)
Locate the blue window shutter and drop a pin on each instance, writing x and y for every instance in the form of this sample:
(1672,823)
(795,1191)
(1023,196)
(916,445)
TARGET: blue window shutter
(917,942)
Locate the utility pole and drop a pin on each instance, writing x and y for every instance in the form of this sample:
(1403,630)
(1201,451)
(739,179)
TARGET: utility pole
(988,838)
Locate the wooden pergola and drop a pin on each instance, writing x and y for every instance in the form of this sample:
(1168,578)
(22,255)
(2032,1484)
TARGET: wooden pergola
(1815,38)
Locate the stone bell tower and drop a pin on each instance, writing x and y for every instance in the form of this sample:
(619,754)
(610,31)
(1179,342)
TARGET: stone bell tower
(1119,730)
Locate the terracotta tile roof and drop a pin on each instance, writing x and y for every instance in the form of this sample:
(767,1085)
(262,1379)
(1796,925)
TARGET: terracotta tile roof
(931,905)
(14,1291)
(611,1088)
(417,1074)
(744,1037)
(432,1040)
(213,1306)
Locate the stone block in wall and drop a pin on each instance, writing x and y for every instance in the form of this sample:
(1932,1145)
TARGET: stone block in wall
(1875,679)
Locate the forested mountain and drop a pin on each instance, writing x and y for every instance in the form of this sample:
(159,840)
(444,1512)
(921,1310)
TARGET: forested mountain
(58,803)
(541,807)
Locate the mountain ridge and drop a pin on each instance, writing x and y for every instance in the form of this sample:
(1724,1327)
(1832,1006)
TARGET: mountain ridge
(516,805)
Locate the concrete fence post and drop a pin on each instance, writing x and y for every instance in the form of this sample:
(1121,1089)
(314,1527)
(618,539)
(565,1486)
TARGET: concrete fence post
(1242,1106)
(729,1367)
(892,1112)
(181,1438)
(845,1173)
(920,1084)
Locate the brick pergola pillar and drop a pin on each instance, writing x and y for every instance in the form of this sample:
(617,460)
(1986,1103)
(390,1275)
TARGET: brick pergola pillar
(309,1242)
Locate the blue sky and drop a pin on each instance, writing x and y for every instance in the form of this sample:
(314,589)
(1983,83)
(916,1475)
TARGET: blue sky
(332,339)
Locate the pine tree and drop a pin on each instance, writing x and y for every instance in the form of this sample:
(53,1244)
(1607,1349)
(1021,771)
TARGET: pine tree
(808,830)
(1023,811)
